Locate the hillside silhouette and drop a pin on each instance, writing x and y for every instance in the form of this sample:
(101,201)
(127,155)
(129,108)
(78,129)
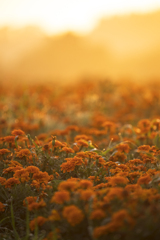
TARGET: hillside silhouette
(126,46)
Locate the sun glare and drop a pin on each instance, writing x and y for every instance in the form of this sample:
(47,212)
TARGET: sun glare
(59,16)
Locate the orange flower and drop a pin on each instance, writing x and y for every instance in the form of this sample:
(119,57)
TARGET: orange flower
(4,151)
(67,167)
(17,132)
(61,197)
(14,164)
(118,219)
(41,177)
(73,128)
(32,169)
(36,205)
(82,154)
(2,181)
(2,207)
(132,187)
(39,221)
(29,199)
(67,150)
(93,178)
(82,142)
(144,148)
(144,180)
(57,144)
(22,174)
(121,217)
(87,194)
(115,192)
(85,184)
(54,216)
(11,169)
(11,182)
(97,214)
(82,137)
(35,184)
(134,175)
(73,215)
(123,147)
(144,125)
(101,161)
(118,157)
(77,161)
(9,139)
(67,185)
(118,180)
(23,153)
(135,161)
(99,231)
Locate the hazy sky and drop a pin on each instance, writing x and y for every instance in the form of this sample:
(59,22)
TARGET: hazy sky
(56,16)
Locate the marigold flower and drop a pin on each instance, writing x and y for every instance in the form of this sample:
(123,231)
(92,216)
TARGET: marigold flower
(108,124)
(9,139)
(39,221)
(57,144)
(61,197)
(97,214)
(2,181)
(54,216)
(67,150)
(144,148)
(134,174)
(29,200)
(2,206)
(115,192)
(144,180)
(41,177)
(118,180)
(22,174)
(11,182)
(101,161)
(86,194)
(118,219)
(82,137)
(23,153)
(85,184)
(73,215)
(123,147)
(18,132)
(14,164)
(99,231)
(57,174)
(144,125)
(36,205)
(67,167)
(32,169)
(4,151)
(73,128)
(118,157)
(67,185)
(35,184)
(11,169)
(121,216)
(82,142)
(93,178)
(132,187)
(82,154)
(77,161)
(135,161)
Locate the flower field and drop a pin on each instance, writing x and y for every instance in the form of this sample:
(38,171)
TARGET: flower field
(80,161)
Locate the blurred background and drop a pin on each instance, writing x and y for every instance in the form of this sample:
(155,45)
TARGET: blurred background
(46,40)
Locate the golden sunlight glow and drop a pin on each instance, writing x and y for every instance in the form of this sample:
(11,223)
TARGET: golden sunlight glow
(56,16)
